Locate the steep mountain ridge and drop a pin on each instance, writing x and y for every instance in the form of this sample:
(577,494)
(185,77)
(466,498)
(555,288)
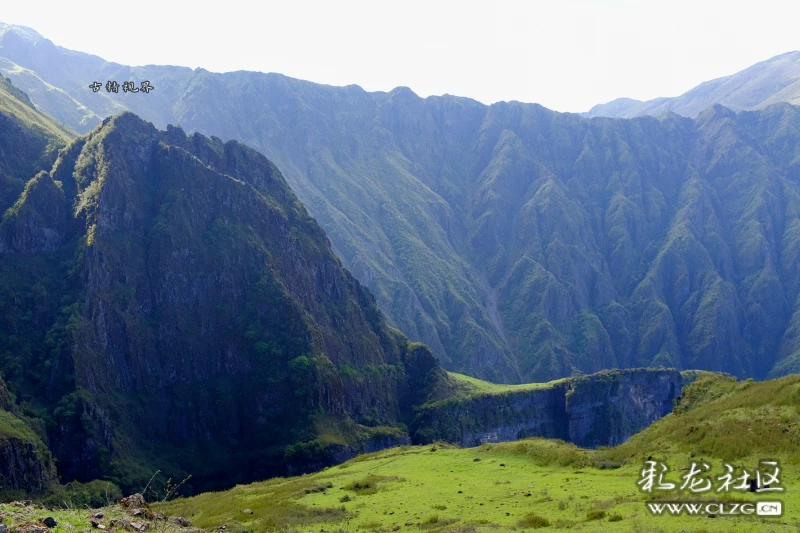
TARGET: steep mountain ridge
(519,243)
(190,303)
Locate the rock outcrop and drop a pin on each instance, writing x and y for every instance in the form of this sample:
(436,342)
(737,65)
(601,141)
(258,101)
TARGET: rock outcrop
(602,409)
(25,461)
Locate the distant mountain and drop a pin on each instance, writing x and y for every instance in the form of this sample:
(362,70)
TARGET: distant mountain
(773,81)
(519,243)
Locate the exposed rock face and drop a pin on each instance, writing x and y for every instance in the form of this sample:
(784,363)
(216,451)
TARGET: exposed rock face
(205,310)
(22,466)
(38,225)
(608,408)
(25,461)
(602,409)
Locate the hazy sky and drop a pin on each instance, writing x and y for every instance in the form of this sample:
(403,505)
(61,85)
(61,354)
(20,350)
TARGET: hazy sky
(567,55)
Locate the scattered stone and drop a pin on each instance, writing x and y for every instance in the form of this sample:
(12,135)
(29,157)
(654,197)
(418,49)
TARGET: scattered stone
(140,526)
(396,528)
(134,501)
(99,515)
(476,459)
(502,464)
(182,521)
(247,511)
(31,527)
(409,523)
(460,492)
(3,529)
(50,522)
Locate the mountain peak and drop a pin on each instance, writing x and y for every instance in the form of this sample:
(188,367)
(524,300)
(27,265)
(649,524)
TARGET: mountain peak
(773,80)
(25,32)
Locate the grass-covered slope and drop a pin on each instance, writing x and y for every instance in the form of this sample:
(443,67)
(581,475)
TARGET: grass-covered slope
(29,141)
(536,483)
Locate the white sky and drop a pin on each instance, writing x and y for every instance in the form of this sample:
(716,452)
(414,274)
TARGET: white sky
(564,54)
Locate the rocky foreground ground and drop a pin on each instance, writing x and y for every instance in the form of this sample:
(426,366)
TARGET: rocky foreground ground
(132,514)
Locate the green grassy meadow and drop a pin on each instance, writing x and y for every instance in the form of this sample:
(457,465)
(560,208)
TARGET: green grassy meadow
(538,484)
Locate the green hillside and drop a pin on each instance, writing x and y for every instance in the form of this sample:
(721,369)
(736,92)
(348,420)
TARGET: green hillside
(29,141)
(536,483)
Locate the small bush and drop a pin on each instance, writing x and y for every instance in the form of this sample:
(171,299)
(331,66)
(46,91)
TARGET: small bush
(319,488)
(533,521)
(434,522)
(595,515)
(368,485)
(615,517)
(75,495)
(346,498)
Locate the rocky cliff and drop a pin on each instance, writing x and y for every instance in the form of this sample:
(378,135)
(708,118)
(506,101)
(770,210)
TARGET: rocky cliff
(171,304)
(25,461)
(602,409)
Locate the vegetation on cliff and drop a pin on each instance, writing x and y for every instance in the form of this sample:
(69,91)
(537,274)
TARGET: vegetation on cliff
(29,141)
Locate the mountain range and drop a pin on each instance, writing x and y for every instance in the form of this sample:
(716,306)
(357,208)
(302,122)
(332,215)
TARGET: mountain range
(520,244)
(168,303)
(773,81)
